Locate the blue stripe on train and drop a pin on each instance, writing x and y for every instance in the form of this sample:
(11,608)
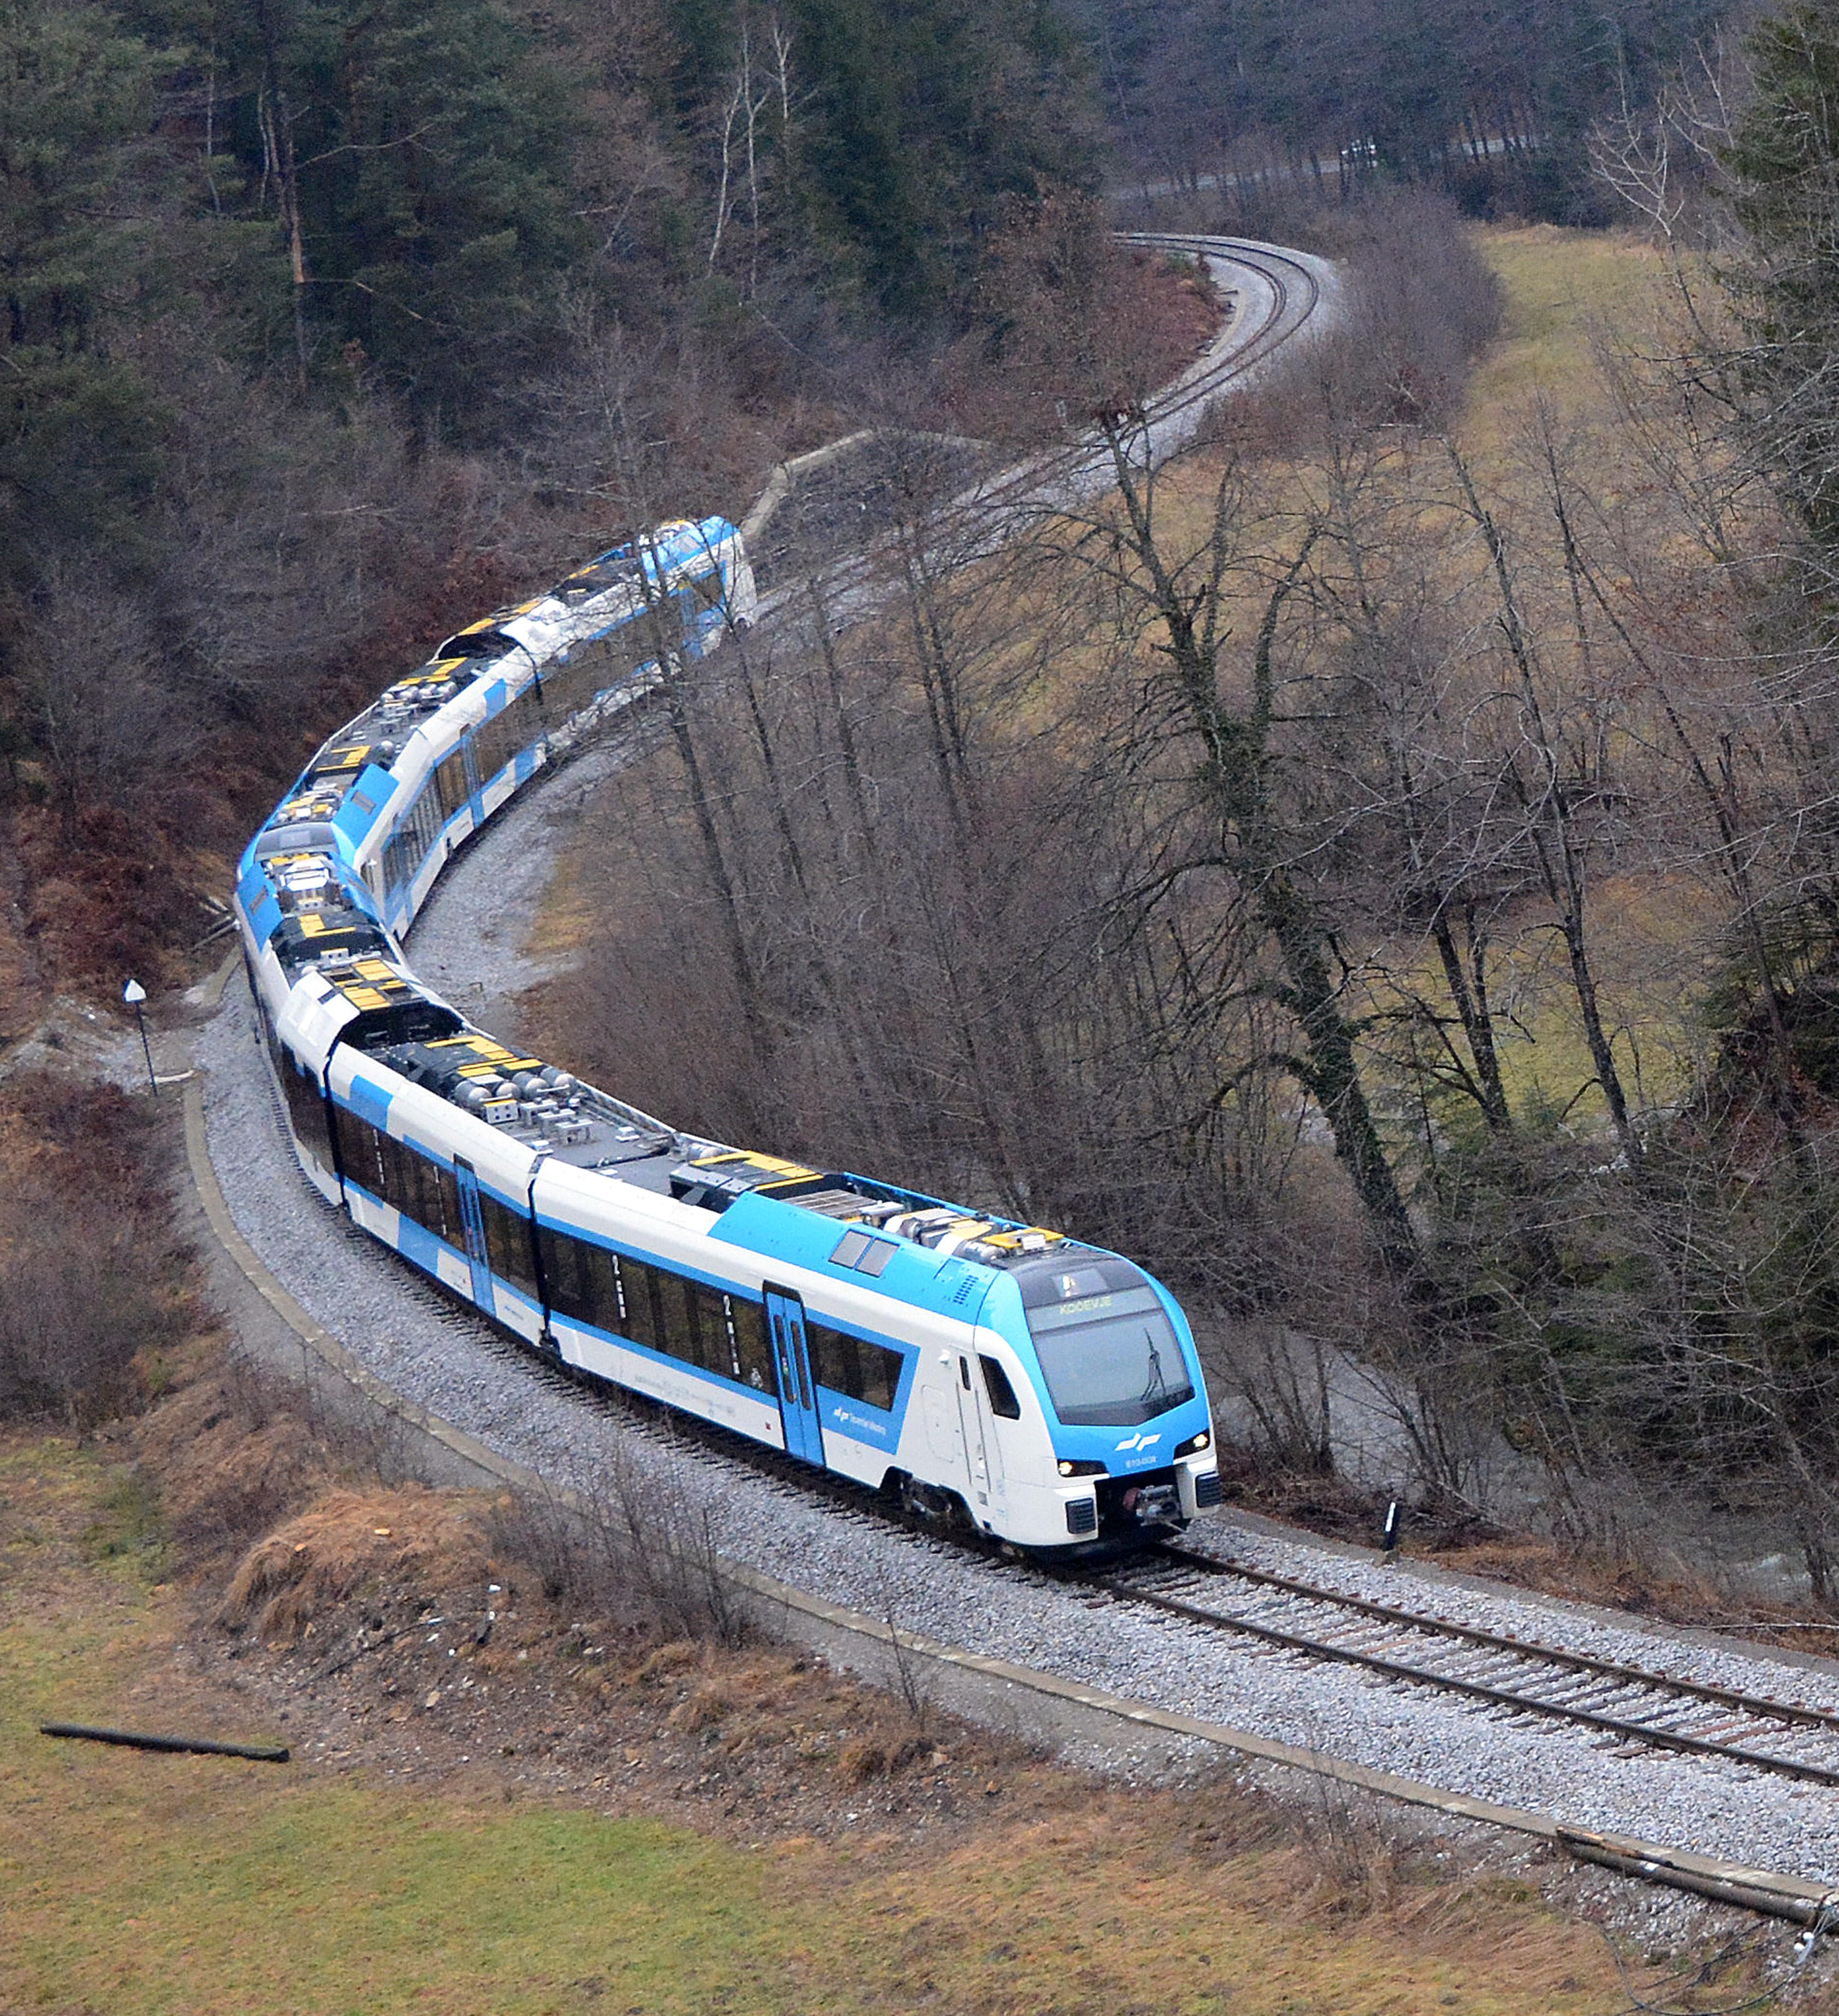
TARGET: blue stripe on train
(369,1102)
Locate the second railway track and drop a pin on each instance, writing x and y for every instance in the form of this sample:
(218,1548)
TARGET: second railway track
(1631,1705)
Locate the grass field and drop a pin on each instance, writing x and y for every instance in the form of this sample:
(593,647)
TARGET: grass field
(133,1883)
(1559,286)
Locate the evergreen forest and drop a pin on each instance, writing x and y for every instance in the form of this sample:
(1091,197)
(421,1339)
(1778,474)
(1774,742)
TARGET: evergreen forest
(1494,103)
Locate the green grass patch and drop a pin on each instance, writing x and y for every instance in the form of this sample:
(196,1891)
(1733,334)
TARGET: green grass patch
(128,1528)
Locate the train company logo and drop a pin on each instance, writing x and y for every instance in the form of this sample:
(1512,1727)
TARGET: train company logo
(1138,1442)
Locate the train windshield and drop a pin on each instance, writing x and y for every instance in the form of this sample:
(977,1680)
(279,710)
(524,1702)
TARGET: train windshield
(1107,1349)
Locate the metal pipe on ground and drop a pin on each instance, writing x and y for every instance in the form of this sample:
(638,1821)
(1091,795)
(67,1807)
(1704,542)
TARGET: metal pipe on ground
(203,1746)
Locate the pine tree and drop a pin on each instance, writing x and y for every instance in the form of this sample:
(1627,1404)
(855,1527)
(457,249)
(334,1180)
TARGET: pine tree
(431,150)
(1785,158)
(915,123)
(79,429)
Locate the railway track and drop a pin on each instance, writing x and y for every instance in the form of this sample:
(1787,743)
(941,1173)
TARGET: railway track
(1629,1710)
(980,520)
(1624,1706)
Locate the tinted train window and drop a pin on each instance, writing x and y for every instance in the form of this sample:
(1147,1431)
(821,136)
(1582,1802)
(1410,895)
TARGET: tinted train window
(358,1152)
(507,1244)
(653,1307)
(407,851)
(642,1323)
(1003,1402)
(306,1105)
(582,1279)
(422,1190)
(681,1334)
(707,589)
(753,1354)
(591,669)
(852,1365)
(450,784)
(508,731)
(429,1194)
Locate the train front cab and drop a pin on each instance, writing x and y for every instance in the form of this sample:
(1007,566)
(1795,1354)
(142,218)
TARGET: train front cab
(1107,1367)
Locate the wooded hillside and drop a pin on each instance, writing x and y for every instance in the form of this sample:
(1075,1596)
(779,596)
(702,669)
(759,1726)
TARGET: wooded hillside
(327,325)
(1494,102)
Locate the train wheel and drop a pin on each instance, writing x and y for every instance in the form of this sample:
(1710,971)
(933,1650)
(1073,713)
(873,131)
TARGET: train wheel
(943,1509)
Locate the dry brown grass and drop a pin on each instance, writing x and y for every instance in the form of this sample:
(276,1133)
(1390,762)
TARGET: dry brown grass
(355,1541)
(232,1454)
(1672,1590)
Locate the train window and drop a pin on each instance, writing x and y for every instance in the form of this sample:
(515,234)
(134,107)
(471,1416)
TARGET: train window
(693,1323)
(408,848)
(583,1280)
(508,732)
(306,1106)
(753,1354)
(709,1309)
(361,1146)
(1003,1402)
(707,588)
(450,784)
(400,1175)
(681,1332)
(445,1191)
(507,1244)
(642,1323)
(348,1133)
(852,1365)
(594,668)
(1107,1350)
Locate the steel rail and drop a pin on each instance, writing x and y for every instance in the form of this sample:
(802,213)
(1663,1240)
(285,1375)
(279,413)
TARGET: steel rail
(1503,1641)
(1116,1584)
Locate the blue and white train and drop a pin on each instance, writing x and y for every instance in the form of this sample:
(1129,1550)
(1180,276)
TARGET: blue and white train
(996,1375)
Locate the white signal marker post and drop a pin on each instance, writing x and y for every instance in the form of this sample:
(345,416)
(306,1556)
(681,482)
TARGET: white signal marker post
(134,994)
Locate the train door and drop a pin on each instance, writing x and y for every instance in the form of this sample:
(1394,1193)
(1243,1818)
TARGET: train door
(797,1408)
(474,1221)
(948,1451)
(970,1415)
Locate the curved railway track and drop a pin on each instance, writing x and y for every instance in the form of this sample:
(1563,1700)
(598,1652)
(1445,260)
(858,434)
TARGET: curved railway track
(1290,295)
(1503,1675)
(1628,1711)
(1516,1677)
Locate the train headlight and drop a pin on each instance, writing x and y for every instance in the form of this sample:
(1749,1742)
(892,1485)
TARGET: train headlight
(1077,1469)
(1195,1444)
